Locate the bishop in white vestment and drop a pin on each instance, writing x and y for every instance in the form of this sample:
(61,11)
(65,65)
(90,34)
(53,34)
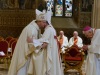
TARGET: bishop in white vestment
(23,51)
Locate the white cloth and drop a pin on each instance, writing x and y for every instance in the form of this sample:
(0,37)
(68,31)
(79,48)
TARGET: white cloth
(23,70)
(92,66)
(37,46)
(37,63)
(2,53)
(22,50)
(48,15)
(37,43)
(79,42)
(64,44)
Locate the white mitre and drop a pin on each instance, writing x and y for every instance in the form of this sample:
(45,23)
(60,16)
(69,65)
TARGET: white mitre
(48,16)
(40,15)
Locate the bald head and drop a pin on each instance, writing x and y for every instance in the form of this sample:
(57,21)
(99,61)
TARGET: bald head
(61,33)
(75,34)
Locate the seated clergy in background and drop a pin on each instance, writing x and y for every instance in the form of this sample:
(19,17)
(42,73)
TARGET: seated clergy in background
(75,40)
(63,40)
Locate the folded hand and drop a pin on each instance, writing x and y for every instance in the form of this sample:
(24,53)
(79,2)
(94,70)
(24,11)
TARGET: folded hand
(30,40)
(85,47)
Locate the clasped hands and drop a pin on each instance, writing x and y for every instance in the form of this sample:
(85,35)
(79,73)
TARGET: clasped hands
(85,47)
(30,40)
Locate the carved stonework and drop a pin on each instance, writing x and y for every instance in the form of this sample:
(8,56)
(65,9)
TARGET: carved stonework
(16,18)
(13,21)
(19,4)
(86,5)
(84,19)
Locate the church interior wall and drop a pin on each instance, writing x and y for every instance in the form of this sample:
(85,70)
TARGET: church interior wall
(13,21)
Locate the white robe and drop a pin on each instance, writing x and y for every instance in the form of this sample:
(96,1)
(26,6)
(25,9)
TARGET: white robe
(54,66)
(20,60)
(50,60)
(64,44)
(92,66)
(79,42)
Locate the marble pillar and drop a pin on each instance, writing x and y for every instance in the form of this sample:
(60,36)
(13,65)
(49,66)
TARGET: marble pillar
(95,21)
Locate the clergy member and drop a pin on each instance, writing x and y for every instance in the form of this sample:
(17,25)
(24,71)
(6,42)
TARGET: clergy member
(92,66)
(23,52)
(63,40)
(75,40)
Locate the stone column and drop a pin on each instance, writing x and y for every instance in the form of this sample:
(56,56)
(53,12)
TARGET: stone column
(9,3)
(16,4)
(95,21)
(36,3)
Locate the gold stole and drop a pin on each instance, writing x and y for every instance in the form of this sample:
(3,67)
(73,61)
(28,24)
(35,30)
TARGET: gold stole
(61,41)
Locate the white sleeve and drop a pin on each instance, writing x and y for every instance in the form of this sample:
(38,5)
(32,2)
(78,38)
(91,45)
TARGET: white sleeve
(80,43)
(37,43)
(46,35)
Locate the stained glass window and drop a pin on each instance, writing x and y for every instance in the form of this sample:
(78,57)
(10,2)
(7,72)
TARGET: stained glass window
(68,8)
(60,7)
(50,5)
